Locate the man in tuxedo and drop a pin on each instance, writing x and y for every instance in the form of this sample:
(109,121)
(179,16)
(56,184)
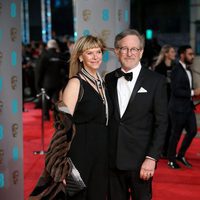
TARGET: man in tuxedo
(49,74)
(181,108)
(139,121)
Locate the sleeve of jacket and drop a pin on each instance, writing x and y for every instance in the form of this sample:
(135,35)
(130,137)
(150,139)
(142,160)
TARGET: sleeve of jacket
(106,79)
(179,87)
(160,119)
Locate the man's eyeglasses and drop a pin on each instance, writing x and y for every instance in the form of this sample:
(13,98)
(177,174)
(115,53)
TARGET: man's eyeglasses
(125,50)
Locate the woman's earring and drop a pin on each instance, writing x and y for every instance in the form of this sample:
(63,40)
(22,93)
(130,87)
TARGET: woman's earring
(81,60)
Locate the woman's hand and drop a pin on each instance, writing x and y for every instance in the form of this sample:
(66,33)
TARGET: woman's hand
(64,182)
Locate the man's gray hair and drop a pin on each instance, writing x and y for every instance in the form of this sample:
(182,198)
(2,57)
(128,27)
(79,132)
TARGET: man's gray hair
(52,44)
(127,33)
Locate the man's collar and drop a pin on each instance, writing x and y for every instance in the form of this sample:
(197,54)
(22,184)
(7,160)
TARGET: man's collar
(134,70)
(183,64)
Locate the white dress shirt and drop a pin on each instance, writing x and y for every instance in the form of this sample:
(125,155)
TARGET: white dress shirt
(189,76)
(125,88)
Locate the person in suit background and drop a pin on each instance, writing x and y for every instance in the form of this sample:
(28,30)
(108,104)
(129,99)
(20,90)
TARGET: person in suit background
(49,74)
(164,65)
(139,122)
(181,107)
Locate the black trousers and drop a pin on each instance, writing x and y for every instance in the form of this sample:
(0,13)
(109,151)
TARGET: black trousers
(126,184)
(53,97)
(167,137)
(179,122)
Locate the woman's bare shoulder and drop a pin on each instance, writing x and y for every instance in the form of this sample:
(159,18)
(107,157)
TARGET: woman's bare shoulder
(73,84)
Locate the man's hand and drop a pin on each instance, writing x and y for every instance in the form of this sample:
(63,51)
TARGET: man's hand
(147,169)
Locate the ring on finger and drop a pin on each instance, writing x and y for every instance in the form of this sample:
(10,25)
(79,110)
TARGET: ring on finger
(148,175)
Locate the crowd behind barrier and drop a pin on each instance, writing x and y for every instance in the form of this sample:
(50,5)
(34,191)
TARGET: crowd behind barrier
(32,55)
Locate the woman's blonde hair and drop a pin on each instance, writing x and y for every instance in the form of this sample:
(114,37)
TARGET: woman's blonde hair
(161,57)
(82,44)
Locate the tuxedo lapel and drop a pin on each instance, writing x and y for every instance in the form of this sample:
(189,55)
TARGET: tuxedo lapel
(191,76)
(115,96)
(137,86)
(185,74)
(117,103)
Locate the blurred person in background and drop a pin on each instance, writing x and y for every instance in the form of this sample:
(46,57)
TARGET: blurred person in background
(164,65)
(28,73)
(181,108)
(49,74)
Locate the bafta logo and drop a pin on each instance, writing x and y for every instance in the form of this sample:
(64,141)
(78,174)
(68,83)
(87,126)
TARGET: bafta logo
(13,82)
(1,156)
(15,130)
(86,14)
(1,107)
(105,33)
(15,176)
(13,34)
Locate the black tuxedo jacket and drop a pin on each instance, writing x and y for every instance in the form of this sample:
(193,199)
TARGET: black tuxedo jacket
(48,70)
(141,130)
(180,100)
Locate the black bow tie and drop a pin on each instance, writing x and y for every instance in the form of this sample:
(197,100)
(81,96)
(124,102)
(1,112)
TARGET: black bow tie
(128,76)
(188,67)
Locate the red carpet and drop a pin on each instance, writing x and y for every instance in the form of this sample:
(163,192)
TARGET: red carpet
(33,164)
(183,184)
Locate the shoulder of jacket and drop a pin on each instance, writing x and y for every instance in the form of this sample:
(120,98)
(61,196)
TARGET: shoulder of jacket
(110,74)
(154,75)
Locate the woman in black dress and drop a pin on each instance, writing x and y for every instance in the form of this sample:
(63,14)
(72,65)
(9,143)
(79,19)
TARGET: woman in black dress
(88,150)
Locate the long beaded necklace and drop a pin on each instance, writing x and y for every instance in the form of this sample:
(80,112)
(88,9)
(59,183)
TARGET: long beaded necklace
(100,88)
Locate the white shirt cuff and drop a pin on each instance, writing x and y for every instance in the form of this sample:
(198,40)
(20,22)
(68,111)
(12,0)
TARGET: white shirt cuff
(192,93)
(148,157)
